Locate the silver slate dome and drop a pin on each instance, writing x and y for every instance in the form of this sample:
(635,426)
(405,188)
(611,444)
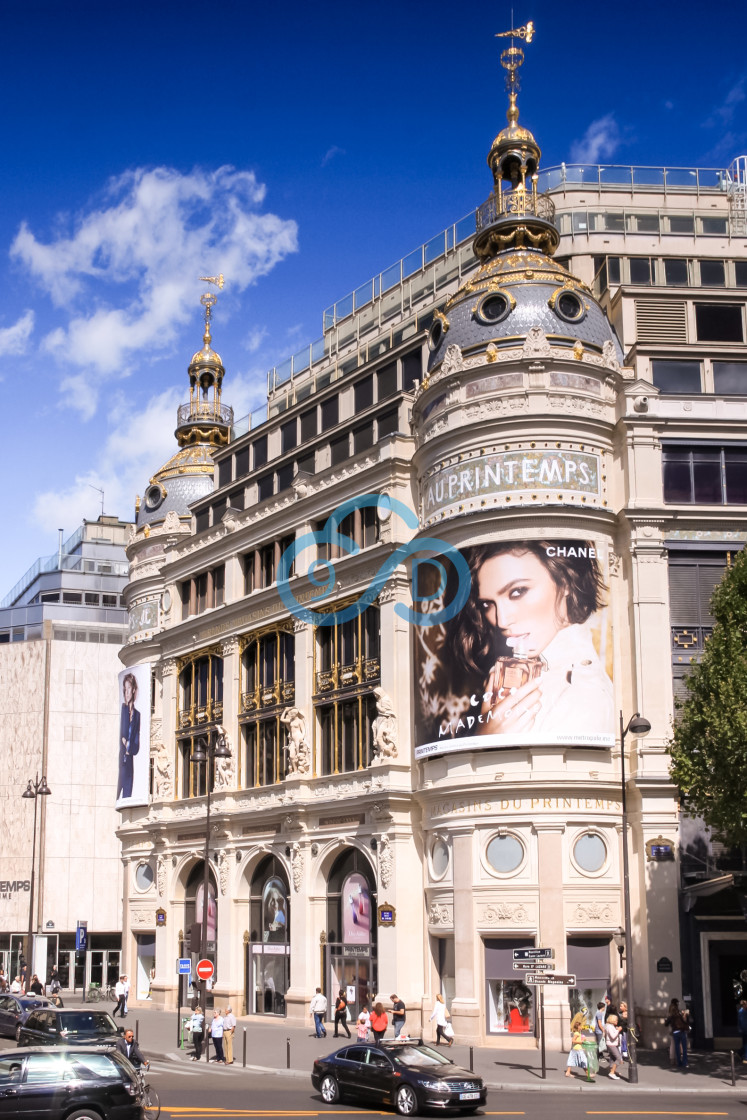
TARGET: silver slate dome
(518,285)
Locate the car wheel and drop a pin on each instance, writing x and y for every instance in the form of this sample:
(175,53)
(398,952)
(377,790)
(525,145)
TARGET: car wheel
(406,1101)
(84,1114)
(329,1089)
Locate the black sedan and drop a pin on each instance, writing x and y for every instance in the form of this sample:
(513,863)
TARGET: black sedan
(14,1010)
(52,1026)
(408,1075)
(69,1084)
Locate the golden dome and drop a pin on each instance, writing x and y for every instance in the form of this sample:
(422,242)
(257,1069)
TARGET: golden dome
(206,357)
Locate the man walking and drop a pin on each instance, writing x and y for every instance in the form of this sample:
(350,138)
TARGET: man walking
(318,1009)
(229,1029)
(126,982)
(119,991)
(399,1012)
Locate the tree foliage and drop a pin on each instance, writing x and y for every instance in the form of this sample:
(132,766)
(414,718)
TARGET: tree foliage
(709,745)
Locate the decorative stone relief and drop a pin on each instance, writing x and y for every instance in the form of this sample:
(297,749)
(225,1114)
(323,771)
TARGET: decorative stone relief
(536,343)
(609,354)
(161,876)
(496,913)
(440,915)
(297,746)
(168,667)
(142,917)
(387,593)
(386,861)
(163,774)
(155,731)
(453,361)
(384,728)
(229,646)
(225,768)
(171,523)
(297,866)
(350,788)
(299,626)
(223,865)
(592,912)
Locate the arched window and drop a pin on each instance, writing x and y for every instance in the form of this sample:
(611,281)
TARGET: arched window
(200,713)
(194,908)
(351,949)
(347,669)
(268,950)
(267,688)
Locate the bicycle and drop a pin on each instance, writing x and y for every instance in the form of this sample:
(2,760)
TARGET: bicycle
(148,1096)
(93,995)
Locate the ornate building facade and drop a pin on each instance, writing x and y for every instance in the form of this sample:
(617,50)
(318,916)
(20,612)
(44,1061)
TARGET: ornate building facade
(549,410)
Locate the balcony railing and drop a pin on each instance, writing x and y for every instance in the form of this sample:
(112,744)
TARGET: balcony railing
(209,411)
(514,204)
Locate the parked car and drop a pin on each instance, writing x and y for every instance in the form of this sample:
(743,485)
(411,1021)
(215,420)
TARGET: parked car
(14,1011)
(69,1084)
(53,1026)
(408,1075)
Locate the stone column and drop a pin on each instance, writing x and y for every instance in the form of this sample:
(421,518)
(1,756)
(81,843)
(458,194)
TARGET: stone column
(465,1008)
(231,687)
(306,922)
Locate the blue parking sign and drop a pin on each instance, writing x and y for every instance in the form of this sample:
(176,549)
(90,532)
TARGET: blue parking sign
(183,966)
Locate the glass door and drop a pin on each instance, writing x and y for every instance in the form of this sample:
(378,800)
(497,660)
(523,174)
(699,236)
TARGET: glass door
(354,974)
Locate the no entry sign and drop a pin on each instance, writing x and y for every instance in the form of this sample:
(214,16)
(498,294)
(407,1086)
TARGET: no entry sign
(205,969)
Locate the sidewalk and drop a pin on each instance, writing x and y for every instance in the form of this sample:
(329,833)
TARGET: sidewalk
(267,1051)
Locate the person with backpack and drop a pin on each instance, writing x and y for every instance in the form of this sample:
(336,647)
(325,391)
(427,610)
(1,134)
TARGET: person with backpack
(341,1013)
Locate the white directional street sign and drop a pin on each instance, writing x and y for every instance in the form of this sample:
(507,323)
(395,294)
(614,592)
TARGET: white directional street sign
(532,966)
(558,978)
(533,954)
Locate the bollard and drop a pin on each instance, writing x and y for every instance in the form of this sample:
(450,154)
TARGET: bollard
(733,1074)
(244,1058)
(137,1030)
(472,1059)
(287,1053)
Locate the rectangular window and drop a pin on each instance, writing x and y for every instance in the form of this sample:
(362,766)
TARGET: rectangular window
(92,600)
(224,472)
(185,590)
(740,273)
(259,450)
(388,423)
(412,369)
(614,270)
(219,585)
(615,223)
(72,597)
(681,223)
(370,527)
(705,475)
(712,274)
(580,221)
(288,436)
(237,498)
(647,223)
(340,449)
(285,477)
(248,563)
(735,475)
(267,564)
(308,424)
(306,464)
(363,438)
(713,225)
(386,382)
(201,589)
(679,377)
(330,413)
(202,520)
(675,272)
(241,463)
(719,322)
(730,378)
(363,394)
(640,270)
(107,600)
(264,487)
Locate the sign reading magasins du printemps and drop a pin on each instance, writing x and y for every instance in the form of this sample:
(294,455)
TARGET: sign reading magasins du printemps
(9,887)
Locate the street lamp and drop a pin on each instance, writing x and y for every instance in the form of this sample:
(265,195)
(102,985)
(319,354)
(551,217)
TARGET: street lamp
(639,726)
(206,750)
(34,789)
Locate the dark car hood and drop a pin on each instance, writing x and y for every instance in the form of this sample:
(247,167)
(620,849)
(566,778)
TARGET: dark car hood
(459,1073)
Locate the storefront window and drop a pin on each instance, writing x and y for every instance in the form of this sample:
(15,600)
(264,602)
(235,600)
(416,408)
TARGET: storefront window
(351,961)
(268,951)
(510,1007)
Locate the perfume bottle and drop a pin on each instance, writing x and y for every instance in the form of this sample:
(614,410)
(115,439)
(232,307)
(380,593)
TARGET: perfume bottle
(514,670)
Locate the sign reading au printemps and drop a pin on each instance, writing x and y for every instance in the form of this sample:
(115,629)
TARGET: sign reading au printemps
(546,474)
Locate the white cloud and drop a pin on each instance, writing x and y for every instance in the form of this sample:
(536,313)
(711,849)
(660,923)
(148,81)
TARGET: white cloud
(600,141)
(126,275)
(330,154)
(723,114)
(14,340)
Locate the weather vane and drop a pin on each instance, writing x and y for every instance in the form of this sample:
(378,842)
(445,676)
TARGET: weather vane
(511,59)
(208,300)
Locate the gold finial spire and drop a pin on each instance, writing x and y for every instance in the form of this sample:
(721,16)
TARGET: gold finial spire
(511,60)
(208,301)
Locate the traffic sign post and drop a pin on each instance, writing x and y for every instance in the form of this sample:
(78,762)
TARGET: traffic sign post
(205,969)
(533,954)
(557,978)
(532,966)
(183,966)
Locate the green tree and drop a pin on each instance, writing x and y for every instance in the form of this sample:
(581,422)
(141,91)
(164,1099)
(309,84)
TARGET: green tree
(709,745)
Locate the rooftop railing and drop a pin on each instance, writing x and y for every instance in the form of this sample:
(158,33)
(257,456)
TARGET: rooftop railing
(204,410)
(64,563)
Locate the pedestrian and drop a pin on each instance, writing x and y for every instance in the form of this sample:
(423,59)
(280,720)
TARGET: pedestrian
(341,1013)
(3,980)
(15,987)
(610,1008)
(216,1033)
(399,1015)
(318,1010)
(364,1022)
(24,975)
(742,1027)
(599,1026)
(622,1022)
(440,1013)
(677,1021)
(379,1022)
(197,1027)
(54,980)
(229,1030)
(119,991)
(36,986)
(611,1037)
(576,1057)
(126,982)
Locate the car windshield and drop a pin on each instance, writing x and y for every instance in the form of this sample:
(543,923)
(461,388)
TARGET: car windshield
(26,1003)
(87,1022)
(418,1056)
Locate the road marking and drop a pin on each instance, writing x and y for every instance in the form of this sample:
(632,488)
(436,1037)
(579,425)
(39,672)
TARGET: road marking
(629,1112)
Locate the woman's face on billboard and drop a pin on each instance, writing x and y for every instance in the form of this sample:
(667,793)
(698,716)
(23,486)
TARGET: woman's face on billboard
(517,594)
(127,690)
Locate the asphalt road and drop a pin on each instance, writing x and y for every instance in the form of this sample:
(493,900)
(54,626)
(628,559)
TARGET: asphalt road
(187,1093)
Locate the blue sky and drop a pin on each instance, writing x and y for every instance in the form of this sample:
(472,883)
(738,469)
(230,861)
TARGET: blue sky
(298,150)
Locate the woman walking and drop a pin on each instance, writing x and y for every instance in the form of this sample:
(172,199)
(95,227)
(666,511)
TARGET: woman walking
(341,1013)
(612,1038)
(379,1022)
(364,1022)
(576,1057)
(197,1027)
(677,1021)
(216,1033)
(440,1013)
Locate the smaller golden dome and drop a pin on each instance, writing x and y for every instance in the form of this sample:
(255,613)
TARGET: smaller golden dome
(206,357)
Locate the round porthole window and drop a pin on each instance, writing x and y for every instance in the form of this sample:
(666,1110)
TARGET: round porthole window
(570,307)
(439,859)
(504,854)
(144,876)
(590,852)
(493,308)
(154,495)
(435,334)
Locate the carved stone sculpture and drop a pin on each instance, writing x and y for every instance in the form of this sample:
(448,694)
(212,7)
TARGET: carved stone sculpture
(384,728)
(225,768)
(223,865)
(386,861)
(297,866)
(161,876)
(536,343)
(297,747)
(163,777)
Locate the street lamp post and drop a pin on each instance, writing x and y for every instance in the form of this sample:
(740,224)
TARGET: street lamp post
(206,750)
(35,789)
(638,726)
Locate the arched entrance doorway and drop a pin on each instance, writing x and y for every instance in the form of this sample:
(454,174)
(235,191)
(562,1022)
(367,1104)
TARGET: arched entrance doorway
(350,952)
(267,970)
(193,913)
